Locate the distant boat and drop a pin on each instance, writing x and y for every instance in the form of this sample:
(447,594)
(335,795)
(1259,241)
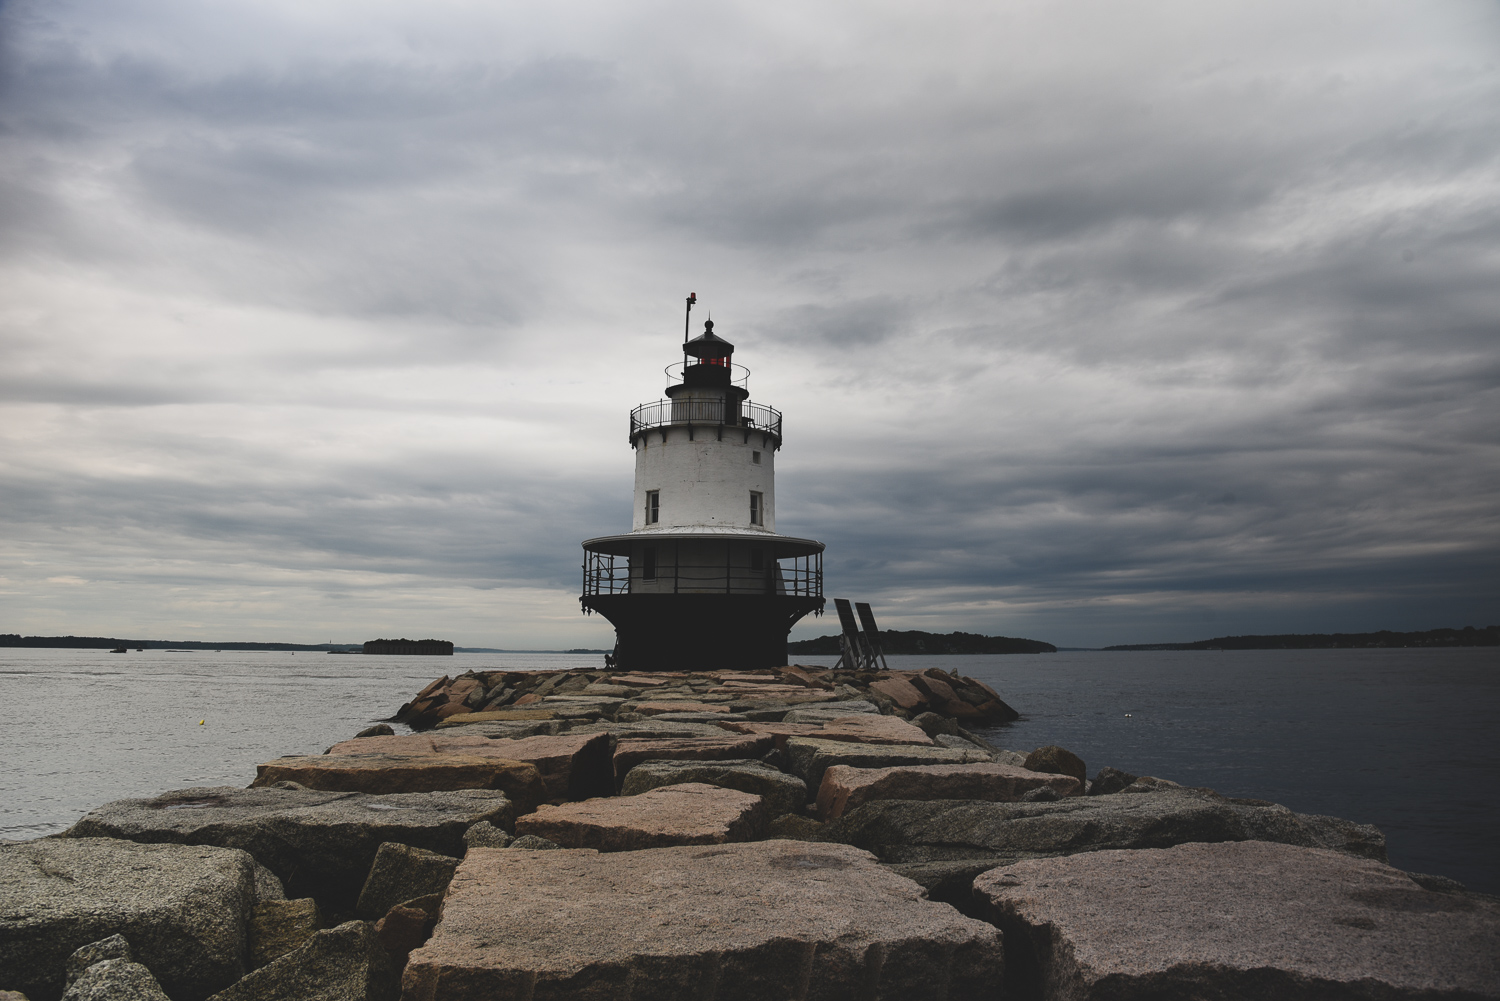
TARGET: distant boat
(119,649)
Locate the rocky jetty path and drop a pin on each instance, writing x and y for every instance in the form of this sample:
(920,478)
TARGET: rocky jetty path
(790,833)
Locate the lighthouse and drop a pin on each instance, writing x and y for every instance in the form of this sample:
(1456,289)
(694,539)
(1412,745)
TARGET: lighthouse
(702,580)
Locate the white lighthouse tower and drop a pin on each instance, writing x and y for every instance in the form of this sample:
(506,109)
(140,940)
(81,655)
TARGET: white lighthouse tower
(702,579)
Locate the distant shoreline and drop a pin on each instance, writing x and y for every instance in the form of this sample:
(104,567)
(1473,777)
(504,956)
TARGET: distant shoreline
(1468,636)
(113,642)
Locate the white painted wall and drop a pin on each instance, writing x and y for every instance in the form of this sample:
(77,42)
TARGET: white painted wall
(706,481)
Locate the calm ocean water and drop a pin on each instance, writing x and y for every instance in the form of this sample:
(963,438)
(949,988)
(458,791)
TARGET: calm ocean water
(1403,739)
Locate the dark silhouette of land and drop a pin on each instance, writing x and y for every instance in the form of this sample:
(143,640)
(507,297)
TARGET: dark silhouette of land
(895,642)
(411,648)
(111,642)
(1467,636)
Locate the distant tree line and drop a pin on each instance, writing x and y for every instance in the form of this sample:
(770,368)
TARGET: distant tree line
(1467,636)
(411,648)
(896,642)
(111,642)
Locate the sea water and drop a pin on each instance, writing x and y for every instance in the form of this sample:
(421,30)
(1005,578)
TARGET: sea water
(1403,739)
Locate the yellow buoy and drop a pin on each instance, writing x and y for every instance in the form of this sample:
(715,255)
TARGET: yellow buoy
(201,722)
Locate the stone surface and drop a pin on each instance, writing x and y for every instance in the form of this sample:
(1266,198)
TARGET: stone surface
(183,909)
(403,929)
(485,835)
(501,728)
(401,872)
(810,757)
(346,963)
(772,919)
(961,743)
(378,730)
(911,831)
(572,765)
(859,728)
(1060,760)
(12,996)
(692,813)
(267,884)
(631,751)
(532,843)
(382,774)
(500,716)
(116,980)
(899,691)
(279,926)
(933,724)
(650,728)
(844,788)
(822,712)
(1109,781)
(691,717)
(113,947)
(655,708)
(320,844)
(1239,920)
(781,793)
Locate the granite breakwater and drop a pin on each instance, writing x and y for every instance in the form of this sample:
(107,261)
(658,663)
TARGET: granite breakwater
(779,834)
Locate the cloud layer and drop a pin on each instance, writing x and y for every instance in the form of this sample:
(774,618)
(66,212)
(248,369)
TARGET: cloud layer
(1092,322)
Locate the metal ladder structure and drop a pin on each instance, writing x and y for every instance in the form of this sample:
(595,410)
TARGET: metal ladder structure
(859,649)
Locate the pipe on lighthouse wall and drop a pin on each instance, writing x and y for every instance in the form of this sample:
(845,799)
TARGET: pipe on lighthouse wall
(706,479)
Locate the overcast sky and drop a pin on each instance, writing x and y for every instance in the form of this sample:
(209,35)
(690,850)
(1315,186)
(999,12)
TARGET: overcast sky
(1091,322)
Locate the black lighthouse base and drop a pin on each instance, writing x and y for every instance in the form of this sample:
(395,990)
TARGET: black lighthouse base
(699,632)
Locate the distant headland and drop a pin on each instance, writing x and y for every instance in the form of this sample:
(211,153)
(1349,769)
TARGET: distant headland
(1467,636)
(895,642)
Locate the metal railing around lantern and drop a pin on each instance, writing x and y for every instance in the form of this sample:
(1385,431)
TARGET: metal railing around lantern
(795,576)
(739,414)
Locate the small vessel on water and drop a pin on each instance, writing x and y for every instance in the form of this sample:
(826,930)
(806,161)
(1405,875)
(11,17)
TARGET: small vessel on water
(119,649)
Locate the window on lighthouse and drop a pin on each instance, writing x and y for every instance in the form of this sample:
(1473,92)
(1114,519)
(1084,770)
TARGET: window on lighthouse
(757,508)
(653,506)
(755,457)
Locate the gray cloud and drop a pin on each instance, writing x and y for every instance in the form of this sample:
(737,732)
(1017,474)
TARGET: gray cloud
(1084,328)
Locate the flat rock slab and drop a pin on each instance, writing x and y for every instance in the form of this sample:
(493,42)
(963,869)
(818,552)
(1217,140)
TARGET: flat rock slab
(844,787)
(858,728)
(912,831)
(691,813)
(502,728)
(1239,920)
(572,765)
(656,708)
(320,844)
(394,773)
(631,751)
(183,909)
(810,756)
(498,716)
(772,919)
(781,793)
